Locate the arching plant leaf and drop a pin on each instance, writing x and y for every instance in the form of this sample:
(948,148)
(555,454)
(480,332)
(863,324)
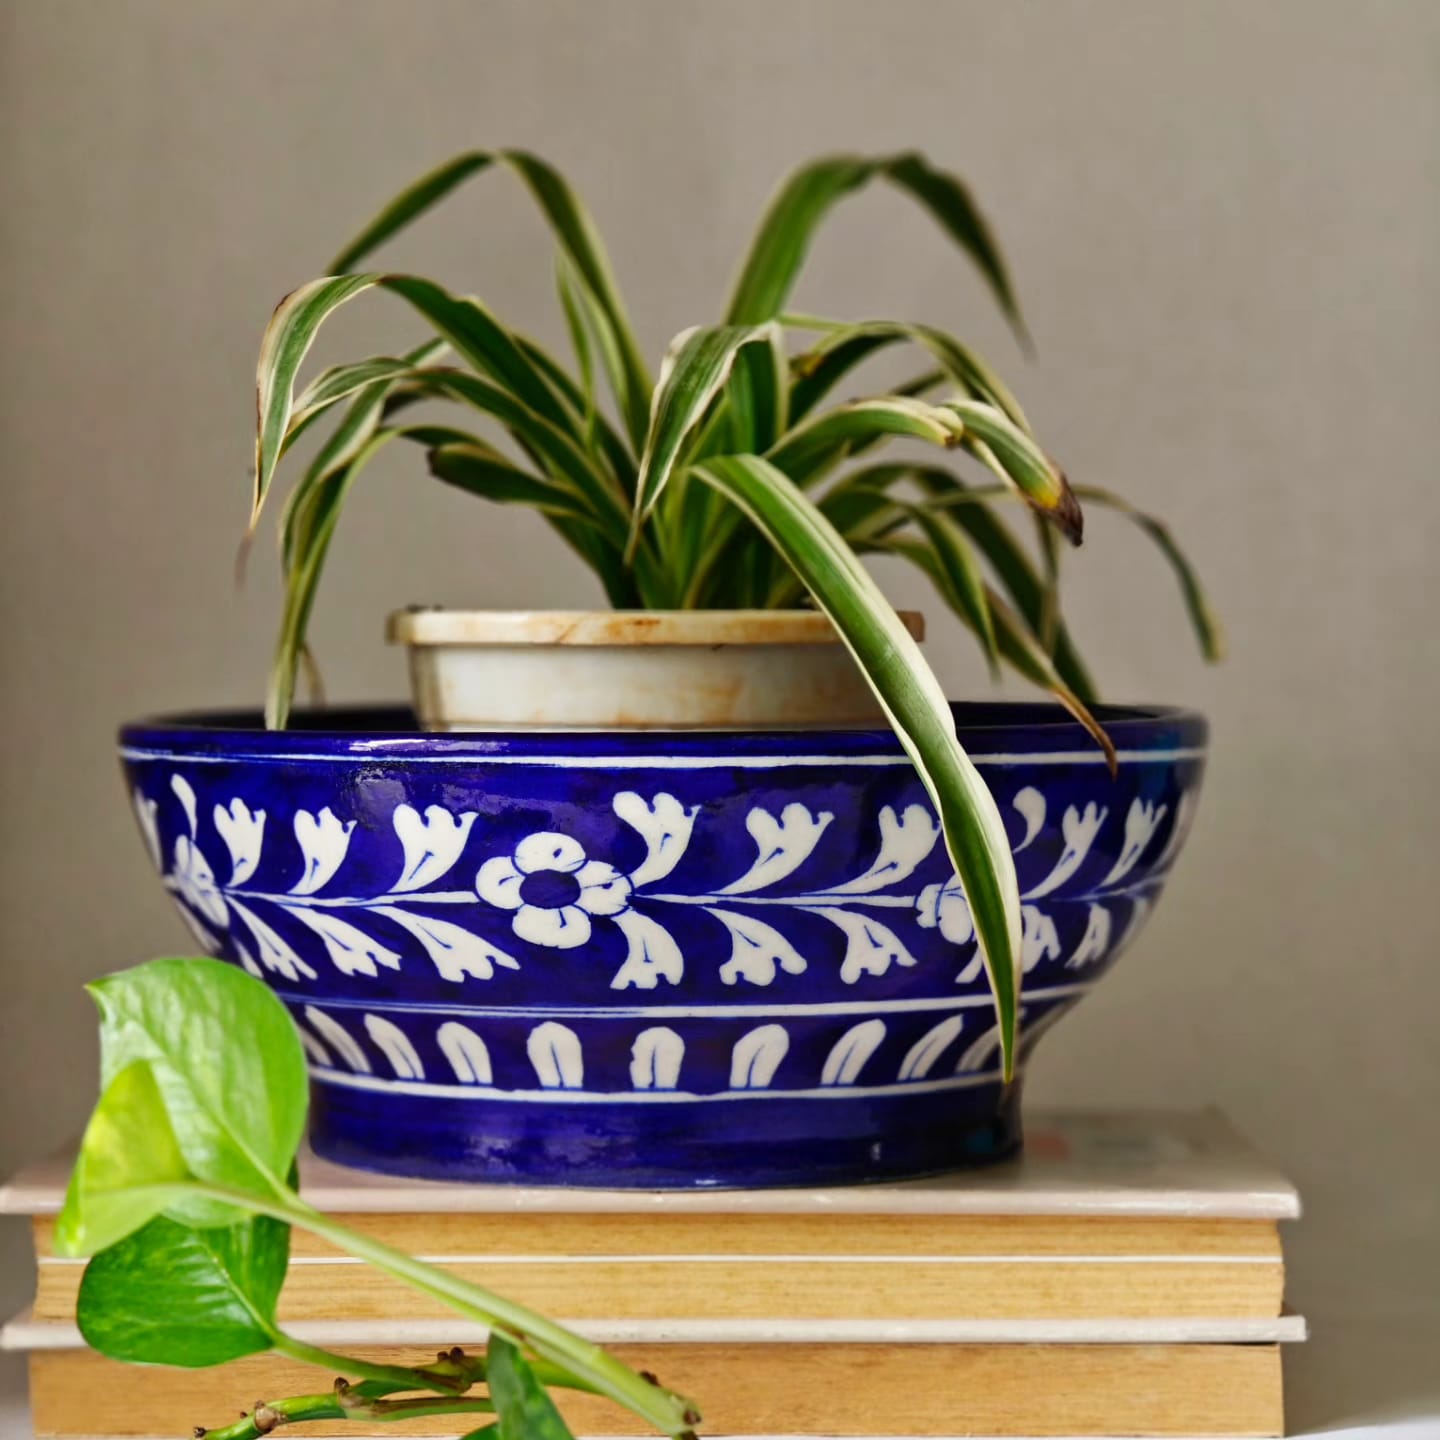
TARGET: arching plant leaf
(912,700)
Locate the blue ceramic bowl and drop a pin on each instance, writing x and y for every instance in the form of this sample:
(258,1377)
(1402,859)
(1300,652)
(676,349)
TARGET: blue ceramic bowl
(652,959)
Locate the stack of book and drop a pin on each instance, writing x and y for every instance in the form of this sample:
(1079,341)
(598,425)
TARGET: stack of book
(1124,1278)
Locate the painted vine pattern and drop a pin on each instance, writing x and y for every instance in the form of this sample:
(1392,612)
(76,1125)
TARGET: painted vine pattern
(552,894)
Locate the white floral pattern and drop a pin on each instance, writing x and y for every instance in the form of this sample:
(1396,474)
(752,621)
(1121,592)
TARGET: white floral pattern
(553,892)
(553,888)
(946,908)
(195,881)
(324,842)
(653,1059)
(792,950)
(243,832)
(664,824)
(781,845)
(432,845)
(145,811)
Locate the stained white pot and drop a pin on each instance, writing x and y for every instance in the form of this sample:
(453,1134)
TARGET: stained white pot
(633,670)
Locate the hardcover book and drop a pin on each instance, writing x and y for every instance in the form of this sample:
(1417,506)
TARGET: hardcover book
(1125,1276)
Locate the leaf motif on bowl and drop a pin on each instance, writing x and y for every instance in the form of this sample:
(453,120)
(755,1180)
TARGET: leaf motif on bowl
(324,842)
(243,832)
(652,954)
(432,844)
(905,841)
(467,1053)
(782,843)
(757,950)
(664,824)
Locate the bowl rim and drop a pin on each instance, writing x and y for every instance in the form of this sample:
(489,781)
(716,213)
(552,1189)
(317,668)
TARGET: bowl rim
(992,730)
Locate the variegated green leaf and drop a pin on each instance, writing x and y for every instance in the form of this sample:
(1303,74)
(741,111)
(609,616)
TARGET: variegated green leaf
(484,342)
(356,426)
(1008,560)
(413,201)
(726,397)
(1014,641)
(845,346)
(286,342)
(967,581)
(481,470)
(342,381)
(1047,631)
(1023,464)
(1015,571)
(696,368)
(565,289)
(464,322)
(314,520)
(758,398)
(812,448)
(578,238)
(778,251)
(806,454)
(912,700)
(600,435)
(1209,633)
(819,370)
(551,446)
(471,465)
(1018,645)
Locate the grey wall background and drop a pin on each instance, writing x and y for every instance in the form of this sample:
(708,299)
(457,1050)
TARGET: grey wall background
(1223,220)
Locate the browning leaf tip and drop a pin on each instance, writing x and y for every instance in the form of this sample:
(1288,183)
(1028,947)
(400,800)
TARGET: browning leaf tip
(1067,513)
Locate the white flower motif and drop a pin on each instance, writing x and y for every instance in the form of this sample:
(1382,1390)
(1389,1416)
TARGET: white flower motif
(398,1047)
(323,840)
(195,881)
(432,845)
(920,1059)
(468,1054)
(243,832)
(553,889)
(945,906)
(1184,817)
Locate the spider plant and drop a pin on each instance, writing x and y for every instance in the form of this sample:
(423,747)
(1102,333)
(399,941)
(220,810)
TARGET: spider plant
(734,481)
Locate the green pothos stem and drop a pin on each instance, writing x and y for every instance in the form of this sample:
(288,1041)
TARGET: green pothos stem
(446,1376)
(584,1363)
(341,1404)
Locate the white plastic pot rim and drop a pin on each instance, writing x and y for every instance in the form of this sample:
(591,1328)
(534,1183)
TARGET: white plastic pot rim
(620,627)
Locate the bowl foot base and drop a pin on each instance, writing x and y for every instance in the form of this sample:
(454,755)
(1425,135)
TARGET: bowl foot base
(670,1144)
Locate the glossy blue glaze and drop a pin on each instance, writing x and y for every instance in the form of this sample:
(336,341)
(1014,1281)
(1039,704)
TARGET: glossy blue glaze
(652,959)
